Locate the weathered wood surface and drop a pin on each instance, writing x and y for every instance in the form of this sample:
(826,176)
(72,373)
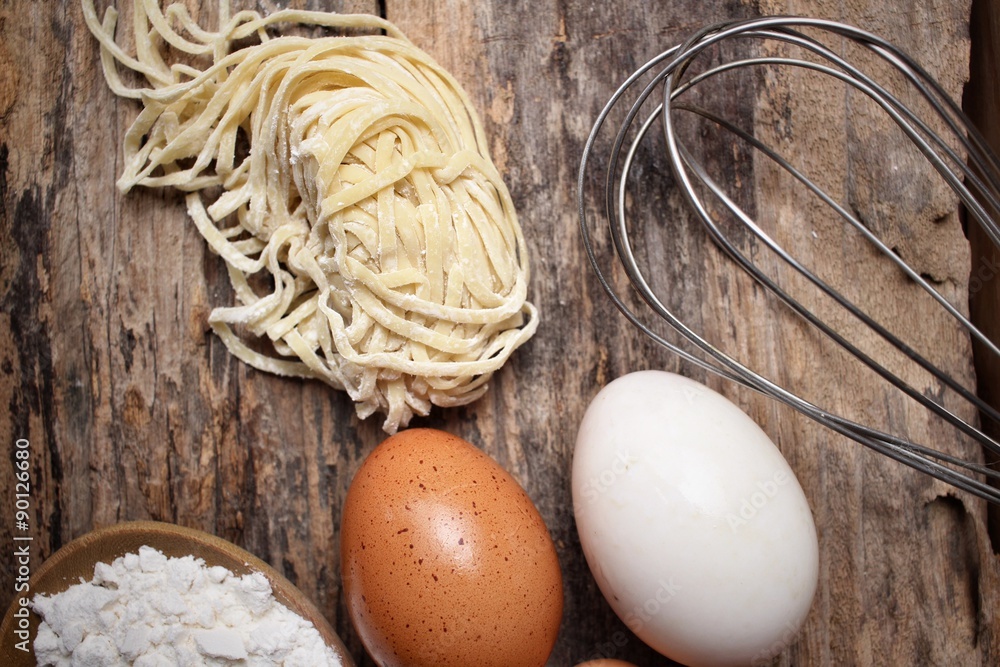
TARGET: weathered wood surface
(134,409)
(982,102)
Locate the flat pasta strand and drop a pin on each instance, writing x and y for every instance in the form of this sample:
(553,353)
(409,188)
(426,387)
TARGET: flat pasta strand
(367,195)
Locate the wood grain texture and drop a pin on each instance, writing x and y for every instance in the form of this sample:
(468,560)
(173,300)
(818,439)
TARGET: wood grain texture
(134,410)
(982,103)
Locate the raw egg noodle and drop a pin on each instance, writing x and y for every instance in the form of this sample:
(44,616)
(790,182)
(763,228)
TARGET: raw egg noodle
(398,270)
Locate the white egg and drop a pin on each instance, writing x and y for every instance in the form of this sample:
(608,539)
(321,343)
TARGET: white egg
(692,522)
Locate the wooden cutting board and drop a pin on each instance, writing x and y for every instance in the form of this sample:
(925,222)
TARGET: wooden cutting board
(132,409)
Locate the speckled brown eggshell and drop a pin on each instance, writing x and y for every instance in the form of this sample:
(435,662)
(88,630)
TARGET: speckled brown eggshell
(445,559)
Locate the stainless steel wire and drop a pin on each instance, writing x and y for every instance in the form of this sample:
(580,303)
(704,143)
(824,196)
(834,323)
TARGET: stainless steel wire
(958,154)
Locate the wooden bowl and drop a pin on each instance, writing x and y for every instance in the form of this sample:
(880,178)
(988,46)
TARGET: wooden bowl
(76,561)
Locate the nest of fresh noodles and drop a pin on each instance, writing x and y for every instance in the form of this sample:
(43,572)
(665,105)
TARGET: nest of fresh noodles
(398,270)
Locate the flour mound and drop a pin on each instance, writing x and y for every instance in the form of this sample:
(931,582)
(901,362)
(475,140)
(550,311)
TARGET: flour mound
(149,610)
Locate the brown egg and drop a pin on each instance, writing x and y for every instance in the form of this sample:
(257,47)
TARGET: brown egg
(445,559)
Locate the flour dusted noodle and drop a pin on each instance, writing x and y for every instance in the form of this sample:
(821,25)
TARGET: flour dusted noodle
(398,271)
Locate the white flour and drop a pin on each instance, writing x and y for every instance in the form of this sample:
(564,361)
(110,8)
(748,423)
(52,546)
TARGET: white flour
(148,610)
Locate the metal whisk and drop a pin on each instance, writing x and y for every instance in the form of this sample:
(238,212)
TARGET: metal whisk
(652,97)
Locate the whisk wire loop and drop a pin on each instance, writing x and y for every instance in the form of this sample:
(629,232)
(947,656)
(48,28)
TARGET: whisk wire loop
(841,300)
(974,180)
